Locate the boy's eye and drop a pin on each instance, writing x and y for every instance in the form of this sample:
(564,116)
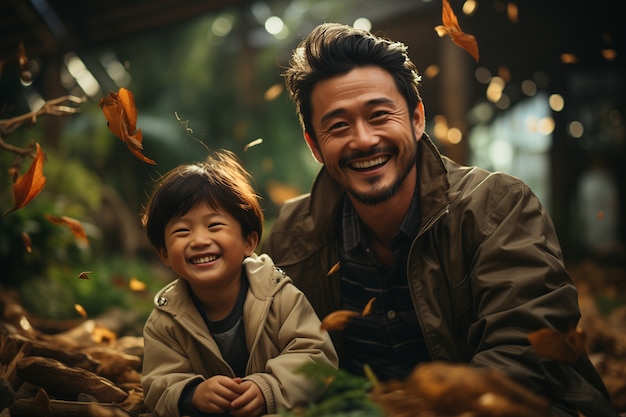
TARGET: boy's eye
(214,225)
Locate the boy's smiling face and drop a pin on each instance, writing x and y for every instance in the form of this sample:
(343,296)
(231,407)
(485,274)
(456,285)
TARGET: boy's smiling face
(206,247)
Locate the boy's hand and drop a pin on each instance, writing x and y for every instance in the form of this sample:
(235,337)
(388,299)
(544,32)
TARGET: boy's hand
(216,394)
(250,403)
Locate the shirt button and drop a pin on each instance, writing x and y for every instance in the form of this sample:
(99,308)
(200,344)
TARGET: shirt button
(391,314)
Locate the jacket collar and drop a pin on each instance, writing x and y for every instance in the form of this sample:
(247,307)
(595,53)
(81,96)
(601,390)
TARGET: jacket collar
(264,280)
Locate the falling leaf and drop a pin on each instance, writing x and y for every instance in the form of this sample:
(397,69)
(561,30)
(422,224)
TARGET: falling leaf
(28,244)
(338,320)
(368,307)
(75,227)
(273,92)
(30,184)
(253,143)
(137,285)
(84,275)
(451,27)
(81,310)
(121,114)
(562,347)
(279,192)
(334,269)
(568,58)
(512,12)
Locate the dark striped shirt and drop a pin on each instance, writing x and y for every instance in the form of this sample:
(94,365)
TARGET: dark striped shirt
(389,339)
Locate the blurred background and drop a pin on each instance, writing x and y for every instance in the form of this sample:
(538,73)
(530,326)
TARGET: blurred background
(545,102)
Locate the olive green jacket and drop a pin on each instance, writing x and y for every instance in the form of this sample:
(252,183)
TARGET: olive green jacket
(484,271)
(282,334)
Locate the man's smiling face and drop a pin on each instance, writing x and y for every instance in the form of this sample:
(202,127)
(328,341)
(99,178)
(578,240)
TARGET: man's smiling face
(364,134)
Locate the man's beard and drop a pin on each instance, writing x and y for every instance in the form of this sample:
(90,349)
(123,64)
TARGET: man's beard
(384,195)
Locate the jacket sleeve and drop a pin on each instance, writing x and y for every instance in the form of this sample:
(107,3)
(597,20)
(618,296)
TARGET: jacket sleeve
(166,370)
(520,285)
(299,341)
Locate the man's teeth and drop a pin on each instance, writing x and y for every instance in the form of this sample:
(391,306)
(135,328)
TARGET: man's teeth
(369,163)
(204,259)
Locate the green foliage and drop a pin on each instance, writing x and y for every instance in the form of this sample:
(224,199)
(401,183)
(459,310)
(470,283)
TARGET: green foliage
(108,285)
(347,395)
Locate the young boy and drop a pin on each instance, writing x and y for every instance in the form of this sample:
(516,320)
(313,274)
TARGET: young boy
(227,336)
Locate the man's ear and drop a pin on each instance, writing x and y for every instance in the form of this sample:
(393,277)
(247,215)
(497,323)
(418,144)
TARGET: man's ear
(162,253)
(312,144)
(419,120)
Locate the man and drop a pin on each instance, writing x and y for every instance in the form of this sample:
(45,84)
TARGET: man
(463,264)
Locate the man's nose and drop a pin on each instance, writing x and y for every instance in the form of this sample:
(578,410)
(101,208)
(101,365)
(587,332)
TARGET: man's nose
(364,136)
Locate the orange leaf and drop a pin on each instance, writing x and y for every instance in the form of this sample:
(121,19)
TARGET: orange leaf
(368,307)
(30,184)
(137,285)
(334,269)
(338,320)
(74,225)
(121,114)
(28,244)
(81,310)
(562,347)
(451,27)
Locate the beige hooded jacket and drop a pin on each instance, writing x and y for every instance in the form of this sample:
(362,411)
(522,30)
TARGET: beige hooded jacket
(282,333)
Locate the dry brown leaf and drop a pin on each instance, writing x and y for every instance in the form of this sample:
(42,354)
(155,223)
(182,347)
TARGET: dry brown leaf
(562,347)
(74,225)
(334,269)
(30,184)
(368,307)
(28,244)
(84,275)
(81,310)
(338,320)
(451,27)
(137,285)
(121,114)
(279,192)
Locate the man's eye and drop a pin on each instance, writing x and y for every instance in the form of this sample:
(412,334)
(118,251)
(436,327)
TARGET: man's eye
(378,114)
(338,125)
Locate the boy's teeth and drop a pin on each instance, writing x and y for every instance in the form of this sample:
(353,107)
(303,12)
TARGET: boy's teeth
(204,259)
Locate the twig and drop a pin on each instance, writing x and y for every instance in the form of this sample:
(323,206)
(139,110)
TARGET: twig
(52,107)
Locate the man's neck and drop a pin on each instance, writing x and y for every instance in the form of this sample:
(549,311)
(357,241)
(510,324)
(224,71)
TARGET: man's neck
(383,220)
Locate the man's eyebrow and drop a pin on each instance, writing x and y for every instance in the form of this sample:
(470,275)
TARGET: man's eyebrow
(372,102)
(332,114)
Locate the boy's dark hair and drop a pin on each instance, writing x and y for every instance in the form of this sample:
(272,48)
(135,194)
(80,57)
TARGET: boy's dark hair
(332,49)
(220,181)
